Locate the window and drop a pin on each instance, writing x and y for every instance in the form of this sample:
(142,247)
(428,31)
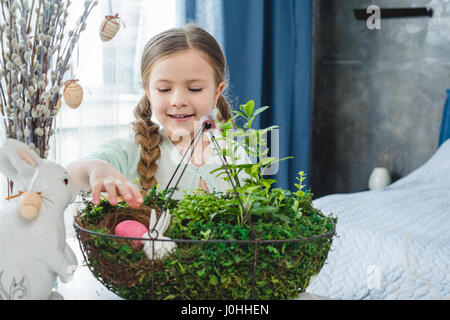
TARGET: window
(109,73)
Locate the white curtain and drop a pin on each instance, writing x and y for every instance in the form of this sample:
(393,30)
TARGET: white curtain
(109,73)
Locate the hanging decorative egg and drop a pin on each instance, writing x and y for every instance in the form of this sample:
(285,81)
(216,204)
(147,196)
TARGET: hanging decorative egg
(30,205)
(109,27)
(73,93)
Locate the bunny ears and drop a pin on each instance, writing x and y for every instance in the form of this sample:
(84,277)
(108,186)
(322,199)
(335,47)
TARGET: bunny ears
(17,161)
(158,249)
(157,227)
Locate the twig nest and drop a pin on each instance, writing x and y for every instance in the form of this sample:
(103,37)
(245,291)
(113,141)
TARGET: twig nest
(29,205)
(73,93)
(109,27)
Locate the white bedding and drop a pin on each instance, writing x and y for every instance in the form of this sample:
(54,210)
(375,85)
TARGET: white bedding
(394,243)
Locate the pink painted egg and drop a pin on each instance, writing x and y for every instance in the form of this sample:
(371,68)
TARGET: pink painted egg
(131,228)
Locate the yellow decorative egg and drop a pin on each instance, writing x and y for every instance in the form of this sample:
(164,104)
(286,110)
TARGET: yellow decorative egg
(30,205)
(109,27)
(73,93)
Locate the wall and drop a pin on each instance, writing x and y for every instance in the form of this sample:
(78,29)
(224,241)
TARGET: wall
(375,91)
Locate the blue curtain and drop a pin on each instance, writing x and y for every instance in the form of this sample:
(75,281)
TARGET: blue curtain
(445,125)
(268,45)
(206,13)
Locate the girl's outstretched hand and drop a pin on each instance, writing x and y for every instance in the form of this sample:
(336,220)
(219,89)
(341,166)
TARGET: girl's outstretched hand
(105,178)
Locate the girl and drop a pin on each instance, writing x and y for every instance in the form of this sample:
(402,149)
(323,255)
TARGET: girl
(183,76)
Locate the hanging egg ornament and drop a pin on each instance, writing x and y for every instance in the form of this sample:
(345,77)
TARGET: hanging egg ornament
(109,27)
(30,205)
(73,93)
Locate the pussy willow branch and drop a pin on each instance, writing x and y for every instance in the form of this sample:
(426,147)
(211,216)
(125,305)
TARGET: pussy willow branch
(75,33)
(4,102)
(28,68)
(72,40)
(35,39)
(51,47)
(30,18)
(24,71)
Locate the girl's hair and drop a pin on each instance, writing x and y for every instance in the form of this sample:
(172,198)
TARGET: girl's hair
(163,44)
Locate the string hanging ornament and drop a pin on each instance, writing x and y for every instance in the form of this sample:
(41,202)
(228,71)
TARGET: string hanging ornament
(73,93)
(109,27)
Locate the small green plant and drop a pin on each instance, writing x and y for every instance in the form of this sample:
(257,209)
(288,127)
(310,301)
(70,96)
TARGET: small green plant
(254,144)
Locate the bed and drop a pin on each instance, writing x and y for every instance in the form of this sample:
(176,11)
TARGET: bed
(393,243)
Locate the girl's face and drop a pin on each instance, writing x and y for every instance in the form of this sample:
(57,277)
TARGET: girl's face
(181,90)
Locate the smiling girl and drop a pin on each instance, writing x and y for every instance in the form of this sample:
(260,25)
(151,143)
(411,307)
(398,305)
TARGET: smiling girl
(183,75)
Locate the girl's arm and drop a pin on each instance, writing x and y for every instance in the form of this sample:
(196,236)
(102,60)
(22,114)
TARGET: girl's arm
(100,176)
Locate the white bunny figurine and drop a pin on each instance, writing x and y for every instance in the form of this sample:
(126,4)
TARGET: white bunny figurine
(162,248)
(33,248)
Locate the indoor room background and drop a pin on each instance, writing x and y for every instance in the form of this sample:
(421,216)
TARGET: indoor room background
(377,93)
(344,96)
(350,96)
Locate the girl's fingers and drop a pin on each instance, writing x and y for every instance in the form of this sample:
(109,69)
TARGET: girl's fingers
(131,196)
(136,196)
(136,192)
(124,191)
(106,178)
(96,189)
(111,190)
